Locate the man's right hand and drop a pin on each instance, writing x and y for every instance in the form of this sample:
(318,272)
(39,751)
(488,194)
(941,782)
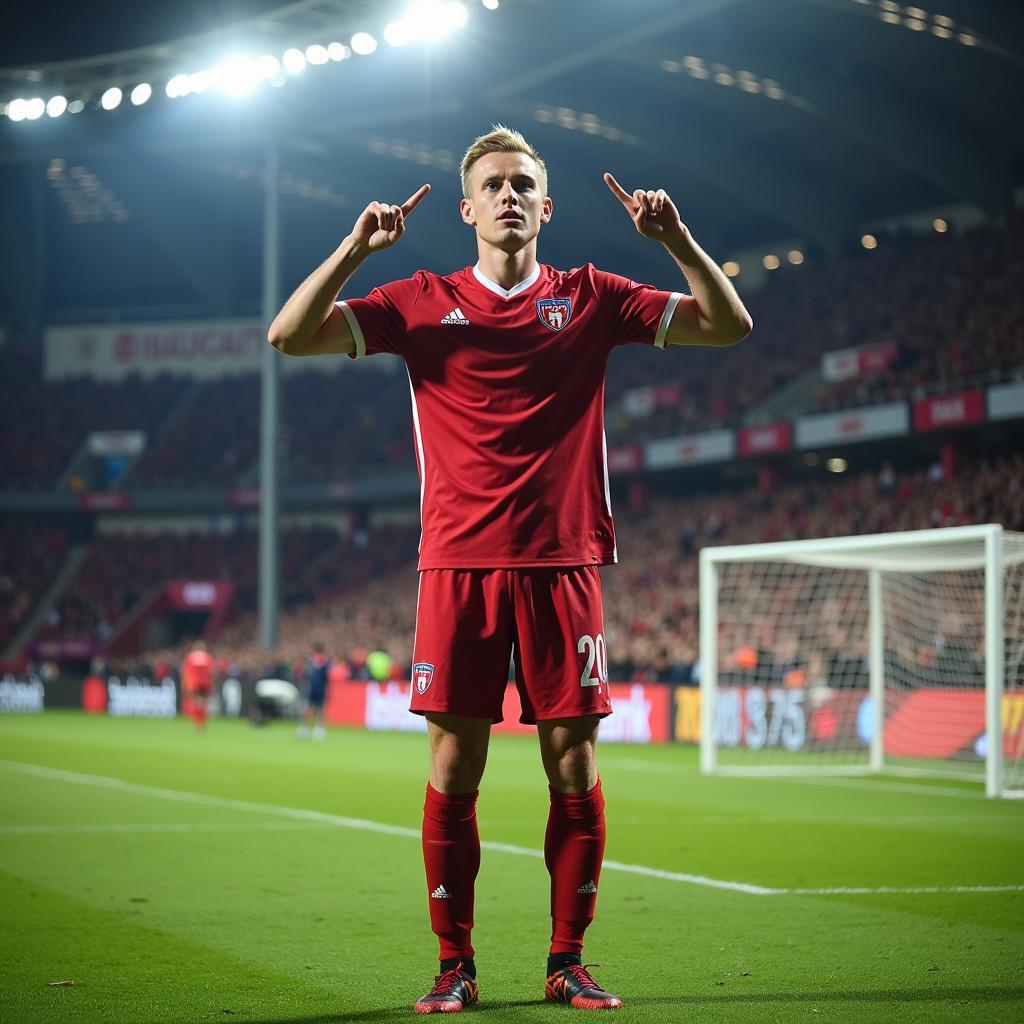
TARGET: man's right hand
(380,225)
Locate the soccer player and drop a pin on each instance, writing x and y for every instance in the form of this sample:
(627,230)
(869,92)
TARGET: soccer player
(197,681)
(318,667)
(506,362)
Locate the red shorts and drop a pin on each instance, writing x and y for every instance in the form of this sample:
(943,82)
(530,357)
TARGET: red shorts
(471,622)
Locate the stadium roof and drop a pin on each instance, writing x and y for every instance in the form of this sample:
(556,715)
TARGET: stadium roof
(767,120)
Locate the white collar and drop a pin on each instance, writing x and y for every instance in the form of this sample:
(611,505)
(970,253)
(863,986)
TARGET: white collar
(512,292)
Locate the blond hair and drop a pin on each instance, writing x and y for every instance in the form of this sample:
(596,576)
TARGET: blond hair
(500,140)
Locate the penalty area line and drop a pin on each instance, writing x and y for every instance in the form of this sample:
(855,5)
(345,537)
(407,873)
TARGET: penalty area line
(360,824)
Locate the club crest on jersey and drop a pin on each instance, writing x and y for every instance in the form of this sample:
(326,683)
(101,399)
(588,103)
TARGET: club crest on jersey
(554,313)
(422,676)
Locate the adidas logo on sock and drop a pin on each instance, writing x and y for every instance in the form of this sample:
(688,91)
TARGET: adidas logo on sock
(587,888)
(440,893)
(456,316)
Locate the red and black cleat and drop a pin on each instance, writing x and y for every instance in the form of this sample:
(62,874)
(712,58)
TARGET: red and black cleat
(575,986)
(453,990)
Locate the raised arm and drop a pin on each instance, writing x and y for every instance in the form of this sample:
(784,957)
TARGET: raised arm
(309,323)
(715,315)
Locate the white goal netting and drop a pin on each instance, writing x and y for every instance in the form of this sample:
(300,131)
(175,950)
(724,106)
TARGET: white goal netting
(896,652)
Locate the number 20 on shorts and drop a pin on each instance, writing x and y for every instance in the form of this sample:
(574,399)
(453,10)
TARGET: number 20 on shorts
(595,672)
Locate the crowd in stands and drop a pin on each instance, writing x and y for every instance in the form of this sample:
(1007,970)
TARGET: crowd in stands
(651,598)
(952,304)
(29,556)
(335,425)
(960,318)
(213,442)
(125,568)
(44,425)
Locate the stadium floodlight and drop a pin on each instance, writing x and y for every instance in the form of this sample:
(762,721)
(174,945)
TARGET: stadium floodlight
(141,94)
(397,33)
(317,54)
(237,76)
(491,5)
(267,66)
(363,44)
(338,51)
(111,99)
(426,21)
(293,60)
(16,109)
(456,14)
(76,106)
(35,108)
(200,81)
(56,105)
(178,86)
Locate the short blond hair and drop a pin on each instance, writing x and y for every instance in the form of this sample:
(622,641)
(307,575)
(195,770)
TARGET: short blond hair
(500,140)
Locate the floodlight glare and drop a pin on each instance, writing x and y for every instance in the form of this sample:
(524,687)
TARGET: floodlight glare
(338,51)
(141,94)
(294,60)
(17,110)
(363,43)
(267,66)
(397,33)
(429,20)
(111,99)
(236,76)
(456,14)
(200,81)
(35,108)
(56,106)
(491,5)
(178,86)
(317,54)
(76,107)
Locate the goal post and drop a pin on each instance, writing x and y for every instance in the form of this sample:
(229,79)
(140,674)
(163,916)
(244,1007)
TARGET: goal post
(900,653)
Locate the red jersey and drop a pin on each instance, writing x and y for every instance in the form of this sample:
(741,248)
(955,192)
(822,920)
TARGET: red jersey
(508,406)
(197,671)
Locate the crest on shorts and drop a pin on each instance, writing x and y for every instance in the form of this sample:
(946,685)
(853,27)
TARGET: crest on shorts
(422,676)
(554,313)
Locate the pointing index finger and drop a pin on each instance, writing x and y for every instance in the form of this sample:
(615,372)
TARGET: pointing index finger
(618,191)
(414,200)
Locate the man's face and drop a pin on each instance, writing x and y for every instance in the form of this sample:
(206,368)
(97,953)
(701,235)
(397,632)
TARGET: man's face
(507,204)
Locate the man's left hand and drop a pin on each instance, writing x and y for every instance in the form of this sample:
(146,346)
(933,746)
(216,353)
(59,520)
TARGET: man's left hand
(653,213)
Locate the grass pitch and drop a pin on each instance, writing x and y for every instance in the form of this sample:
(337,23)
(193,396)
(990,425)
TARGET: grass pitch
(242,876)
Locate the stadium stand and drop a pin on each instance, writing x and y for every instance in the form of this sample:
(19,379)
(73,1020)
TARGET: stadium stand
(29,555)
(123,568)
(651,600)
(953,305)
(44,423)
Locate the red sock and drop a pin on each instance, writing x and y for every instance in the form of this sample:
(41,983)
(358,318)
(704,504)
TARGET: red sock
(199,715)
(451,855)
(573,852)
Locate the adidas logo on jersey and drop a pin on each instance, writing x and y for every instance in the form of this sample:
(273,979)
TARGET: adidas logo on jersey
(440,893)
(587,888)
(456,316)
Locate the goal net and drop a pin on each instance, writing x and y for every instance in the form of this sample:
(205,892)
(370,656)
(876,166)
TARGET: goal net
(895,653)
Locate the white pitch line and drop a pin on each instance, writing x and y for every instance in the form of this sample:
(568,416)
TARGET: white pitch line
(301,814)
(199,826)
(852,890)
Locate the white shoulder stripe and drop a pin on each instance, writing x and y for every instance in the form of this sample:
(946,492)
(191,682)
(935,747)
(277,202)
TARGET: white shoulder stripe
(666,318)
(353,326)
